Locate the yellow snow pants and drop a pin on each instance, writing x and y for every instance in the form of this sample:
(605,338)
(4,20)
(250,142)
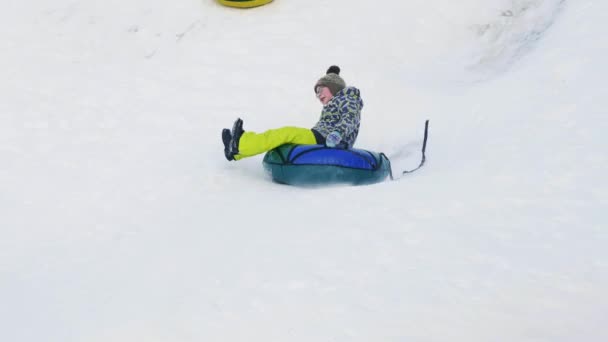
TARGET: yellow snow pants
(255,143)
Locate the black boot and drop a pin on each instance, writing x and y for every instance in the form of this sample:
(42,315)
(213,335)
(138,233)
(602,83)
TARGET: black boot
(237,131)
(226,137)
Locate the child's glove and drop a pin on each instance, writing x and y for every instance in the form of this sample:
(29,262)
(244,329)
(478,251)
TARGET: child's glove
(333,139)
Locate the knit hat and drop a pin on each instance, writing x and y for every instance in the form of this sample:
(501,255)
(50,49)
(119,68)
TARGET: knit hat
(331,80)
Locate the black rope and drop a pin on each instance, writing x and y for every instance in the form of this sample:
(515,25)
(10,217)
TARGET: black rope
(426,135)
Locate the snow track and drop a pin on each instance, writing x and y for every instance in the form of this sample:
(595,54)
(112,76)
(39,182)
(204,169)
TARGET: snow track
(122,221)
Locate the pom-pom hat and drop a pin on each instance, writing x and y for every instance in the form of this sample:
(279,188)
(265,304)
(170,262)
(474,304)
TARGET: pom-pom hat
(331,80)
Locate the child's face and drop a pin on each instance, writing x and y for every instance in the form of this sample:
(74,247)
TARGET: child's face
(324,94)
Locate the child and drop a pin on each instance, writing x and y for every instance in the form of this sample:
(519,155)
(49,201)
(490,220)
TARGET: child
(338,125)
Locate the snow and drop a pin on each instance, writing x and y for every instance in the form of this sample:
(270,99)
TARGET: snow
(122,221)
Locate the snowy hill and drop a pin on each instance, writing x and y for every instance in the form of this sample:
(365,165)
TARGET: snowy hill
(122,221)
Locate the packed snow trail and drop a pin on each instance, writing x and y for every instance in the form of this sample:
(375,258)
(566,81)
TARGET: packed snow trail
(121,220)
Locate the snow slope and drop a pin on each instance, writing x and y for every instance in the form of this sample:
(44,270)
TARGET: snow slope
(122,221)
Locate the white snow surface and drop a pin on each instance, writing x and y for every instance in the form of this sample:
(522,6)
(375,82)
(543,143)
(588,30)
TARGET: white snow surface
(120,219)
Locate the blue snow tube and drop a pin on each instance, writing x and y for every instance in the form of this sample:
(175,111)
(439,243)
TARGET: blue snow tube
(314,165)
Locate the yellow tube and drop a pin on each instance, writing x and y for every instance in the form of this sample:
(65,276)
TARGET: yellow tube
(244,3)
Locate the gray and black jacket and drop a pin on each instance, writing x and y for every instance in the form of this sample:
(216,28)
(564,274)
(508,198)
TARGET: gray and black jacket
(341,114)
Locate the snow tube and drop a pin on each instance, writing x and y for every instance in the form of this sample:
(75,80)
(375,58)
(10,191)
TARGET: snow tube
(244,3)
(316,165)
